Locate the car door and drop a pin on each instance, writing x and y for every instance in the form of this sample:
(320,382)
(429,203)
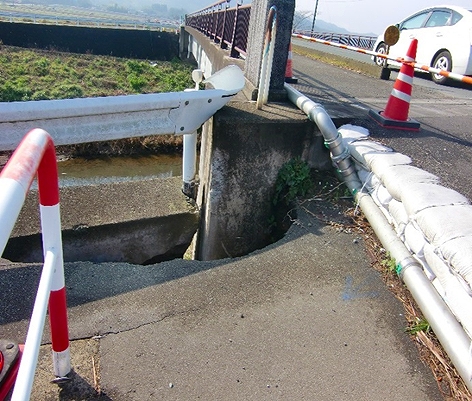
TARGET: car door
(435,35)
(409,29)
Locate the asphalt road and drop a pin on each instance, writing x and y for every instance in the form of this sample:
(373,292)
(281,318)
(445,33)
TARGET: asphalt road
(457,89)
(442,146)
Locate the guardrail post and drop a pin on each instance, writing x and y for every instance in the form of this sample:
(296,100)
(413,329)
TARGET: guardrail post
(259,12)
(233,53)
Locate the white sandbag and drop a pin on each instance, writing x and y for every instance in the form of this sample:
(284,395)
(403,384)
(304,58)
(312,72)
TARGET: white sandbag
(445,223)
(399,216)
(362,150)
(382,195)
(415,239)
(397,178)
(438,286)
(351,133)
(380,162)
(460,303)
(368,179)
(437,266)
(418,197)
(458,252)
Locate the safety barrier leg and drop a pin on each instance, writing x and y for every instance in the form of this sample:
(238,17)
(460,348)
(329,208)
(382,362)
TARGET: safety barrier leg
(36,154)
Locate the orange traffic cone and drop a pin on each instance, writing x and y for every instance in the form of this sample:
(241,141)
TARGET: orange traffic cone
(289,78)
(395,114)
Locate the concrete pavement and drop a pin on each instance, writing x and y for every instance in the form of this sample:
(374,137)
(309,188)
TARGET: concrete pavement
(306,318)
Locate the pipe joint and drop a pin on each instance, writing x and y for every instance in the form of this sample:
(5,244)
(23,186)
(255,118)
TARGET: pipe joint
(401,266)
(341,156)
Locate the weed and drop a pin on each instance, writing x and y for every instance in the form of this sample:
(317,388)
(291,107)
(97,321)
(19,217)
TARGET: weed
(389,263)
(292,181)
(420,324)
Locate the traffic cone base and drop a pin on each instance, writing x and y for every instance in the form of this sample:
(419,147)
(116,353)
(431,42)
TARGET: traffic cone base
(409,124)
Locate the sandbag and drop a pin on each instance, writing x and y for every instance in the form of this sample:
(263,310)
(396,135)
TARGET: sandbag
(418,197)
(445,223)
(399,216)
(363,150)
(458,252)
(351,133)
(397,179)
(380,162)
(415,239)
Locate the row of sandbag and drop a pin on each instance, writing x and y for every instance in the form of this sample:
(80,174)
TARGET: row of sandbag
(434,222)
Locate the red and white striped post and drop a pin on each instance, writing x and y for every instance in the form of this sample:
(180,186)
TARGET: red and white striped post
(36,154)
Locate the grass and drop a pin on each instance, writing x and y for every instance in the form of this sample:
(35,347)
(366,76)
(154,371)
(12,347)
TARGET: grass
(27,74)
(339,61)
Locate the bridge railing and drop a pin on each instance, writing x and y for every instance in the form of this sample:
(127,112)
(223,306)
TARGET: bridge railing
(36,154)
(361,41)
(229,27)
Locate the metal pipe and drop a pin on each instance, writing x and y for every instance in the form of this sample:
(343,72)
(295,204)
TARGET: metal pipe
(189,160)
(339,154)
(448,330)
(29,360)
(267,58)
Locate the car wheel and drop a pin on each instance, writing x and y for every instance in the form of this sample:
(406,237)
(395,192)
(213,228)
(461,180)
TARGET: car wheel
(442,61)
(382,49)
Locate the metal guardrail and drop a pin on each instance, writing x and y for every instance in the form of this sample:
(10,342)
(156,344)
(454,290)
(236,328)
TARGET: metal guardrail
(361,41)
(88,22)
(83,120)
(229,27)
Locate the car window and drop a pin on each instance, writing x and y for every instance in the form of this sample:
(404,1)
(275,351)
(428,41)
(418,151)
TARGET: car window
(414,22)
(456,17)
(439,18)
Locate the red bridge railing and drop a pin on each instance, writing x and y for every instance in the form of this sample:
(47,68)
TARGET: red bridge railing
(226,26)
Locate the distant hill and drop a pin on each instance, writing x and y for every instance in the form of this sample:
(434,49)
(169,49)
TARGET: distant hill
(323,26)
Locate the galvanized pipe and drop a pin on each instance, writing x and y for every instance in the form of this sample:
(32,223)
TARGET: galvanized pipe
(448,330)
(339,153)
(267,58)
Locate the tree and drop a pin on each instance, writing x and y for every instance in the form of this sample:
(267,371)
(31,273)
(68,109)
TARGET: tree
(302,20)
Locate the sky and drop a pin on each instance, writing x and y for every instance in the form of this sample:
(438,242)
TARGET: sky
(369,16)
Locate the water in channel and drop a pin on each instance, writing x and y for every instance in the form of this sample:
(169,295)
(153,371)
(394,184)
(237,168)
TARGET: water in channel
(80,172)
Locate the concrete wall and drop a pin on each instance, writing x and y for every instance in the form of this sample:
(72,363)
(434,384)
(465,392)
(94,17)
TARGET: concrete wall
(242,152)
(136,222)
(244,148)
(130,43)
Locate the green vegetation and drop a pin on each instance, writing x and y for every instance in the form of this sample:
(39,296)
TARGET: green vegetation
(420,324)
(292,181)
(389,263)
(27,74)
(339,61)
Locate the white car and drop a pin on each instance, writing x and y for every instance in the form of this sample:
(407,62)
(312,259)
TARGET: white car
(444,36)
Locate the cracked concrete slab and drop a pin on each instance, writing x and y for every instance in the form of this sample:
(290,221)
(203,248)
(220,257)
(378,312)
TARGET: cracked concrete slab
(304,318)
